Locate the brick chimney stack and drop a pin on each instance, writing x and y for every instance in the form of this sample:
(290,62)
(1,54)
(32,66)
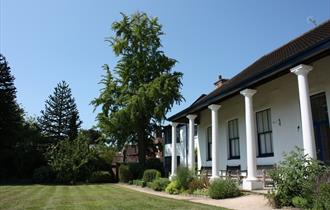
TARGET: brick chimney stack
(220,82)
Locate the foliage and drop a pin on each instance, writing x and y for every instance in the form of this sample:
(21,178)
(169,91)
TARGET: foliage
(92,135)
(150,175)
(183,177)
(124,173)
(139,182)
(220,189)
(195,184)
(104,157)
(10,113)
(173,188)
(154,163)
(101,177)
(42,174)
(60,119)
(295,176)
(136,170)
(300,202)
(322,198)
(201,192)
(160,184)
(141,89)
(71,160)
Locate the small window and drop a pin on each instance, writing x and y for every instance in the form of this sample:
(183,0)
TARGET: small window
(195,130)
(233,135)
(209,143)
(168,135)
(178,137)
(264,128)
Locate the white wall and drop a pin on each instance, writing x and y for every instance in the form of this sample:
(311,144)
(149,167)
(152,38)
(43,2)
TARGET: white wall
(281,95)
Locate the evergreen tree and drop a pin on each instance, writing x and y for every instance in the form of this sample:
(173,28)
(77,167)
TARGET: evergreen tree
(142,88)
(60,119)
(11,120)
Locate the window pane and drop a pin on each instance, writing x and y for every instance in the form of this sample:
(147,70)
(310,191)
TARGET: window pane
(237,147)
(269,143)
(262,144)
(259,122)
(269,120)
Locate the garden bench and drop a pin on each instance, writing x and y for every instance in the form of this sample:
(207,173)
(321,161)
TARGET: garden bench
(263,175)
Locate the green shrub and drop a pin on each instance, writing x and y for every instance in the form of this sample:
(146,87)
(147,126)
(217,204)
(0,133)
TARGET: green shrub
(295,176)
(203,192)
(322,200)
(300,202)
(159,184)
(220,189)
(100,177)
(42,175)
(173,188)
(195,184)
(154,163)
(124,174)
(150,175)
(139,182)
(71,160)
(136,170)
(183,177)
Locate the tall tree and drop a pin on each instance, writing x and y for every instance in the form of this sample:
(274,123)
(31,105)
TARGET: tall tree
(11,119)
(142,88)
(60,119)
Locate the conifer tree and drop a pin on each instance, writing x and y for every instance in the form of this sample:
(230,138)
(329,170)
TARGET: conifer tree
(11,119)
(60,118)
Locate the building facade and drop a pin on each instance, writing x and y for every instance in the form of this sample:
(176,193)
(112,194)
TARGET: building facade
(276,104)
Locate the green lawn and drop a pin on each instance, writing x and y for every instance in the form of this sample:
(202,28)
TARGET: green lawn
(105,196)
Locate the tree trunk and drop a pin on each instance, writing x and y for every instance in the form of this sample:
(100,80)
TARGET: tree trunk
(141,146)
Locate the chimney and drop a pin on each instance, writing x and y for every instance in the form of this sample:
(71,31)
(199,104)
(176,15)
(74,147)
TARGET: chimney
(220,82)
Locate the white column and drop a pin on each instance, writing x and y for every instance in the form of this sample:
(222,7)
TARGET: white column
(251,182)
(305,109)
(191,143)
(174,158)
(215,139)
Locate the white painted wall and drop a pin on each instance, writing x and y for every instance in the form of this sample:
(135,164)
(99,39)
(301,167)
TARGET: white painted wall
(281,95)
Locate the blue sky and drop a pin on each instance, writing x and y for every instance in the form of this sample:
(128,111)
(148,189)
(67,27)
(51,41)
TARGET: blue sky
(49,41)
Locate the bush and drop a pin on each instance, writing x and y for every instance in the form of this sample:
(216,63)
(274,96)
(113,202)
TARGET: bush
(195,184)
(173,188)
(71,160)
(220,189)
(322,200)
(136,170)
(154,163)
(139,182)
(295,176)
(159,184)
(150,175)
(300,202)
(42,175)
(183,177)
(100,177)
(124,173)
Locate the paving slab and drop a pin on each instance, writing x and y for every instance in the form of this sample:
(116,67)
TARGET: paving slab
(249,201)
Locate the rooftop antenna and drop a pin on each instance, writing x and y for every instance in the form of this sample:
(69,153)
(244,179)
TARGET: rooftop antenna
(312,20)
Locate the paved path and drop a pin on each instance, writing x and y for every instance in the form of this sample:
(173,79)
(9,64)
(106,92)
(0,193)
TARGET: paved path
(251,201)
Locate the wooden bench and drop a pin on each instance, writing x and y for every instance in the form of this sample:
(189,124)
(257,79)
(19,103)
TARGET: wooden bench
(233,173)
(263,174)
(205,171)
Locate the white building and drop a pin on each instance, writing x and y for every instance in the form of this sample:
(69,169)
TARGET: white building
(277,103)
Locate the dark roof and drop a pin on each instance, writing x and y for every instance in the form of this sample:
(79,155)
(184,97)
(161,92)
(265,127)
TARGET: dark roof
(304,48)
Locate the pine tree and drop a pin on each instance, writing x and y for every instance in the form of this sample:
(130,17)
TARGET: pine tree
(60,119)
(11,119)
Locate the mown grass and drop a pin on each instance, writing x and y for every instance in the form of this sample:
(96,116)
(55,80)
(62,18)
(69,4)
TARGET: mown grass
(103,196)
